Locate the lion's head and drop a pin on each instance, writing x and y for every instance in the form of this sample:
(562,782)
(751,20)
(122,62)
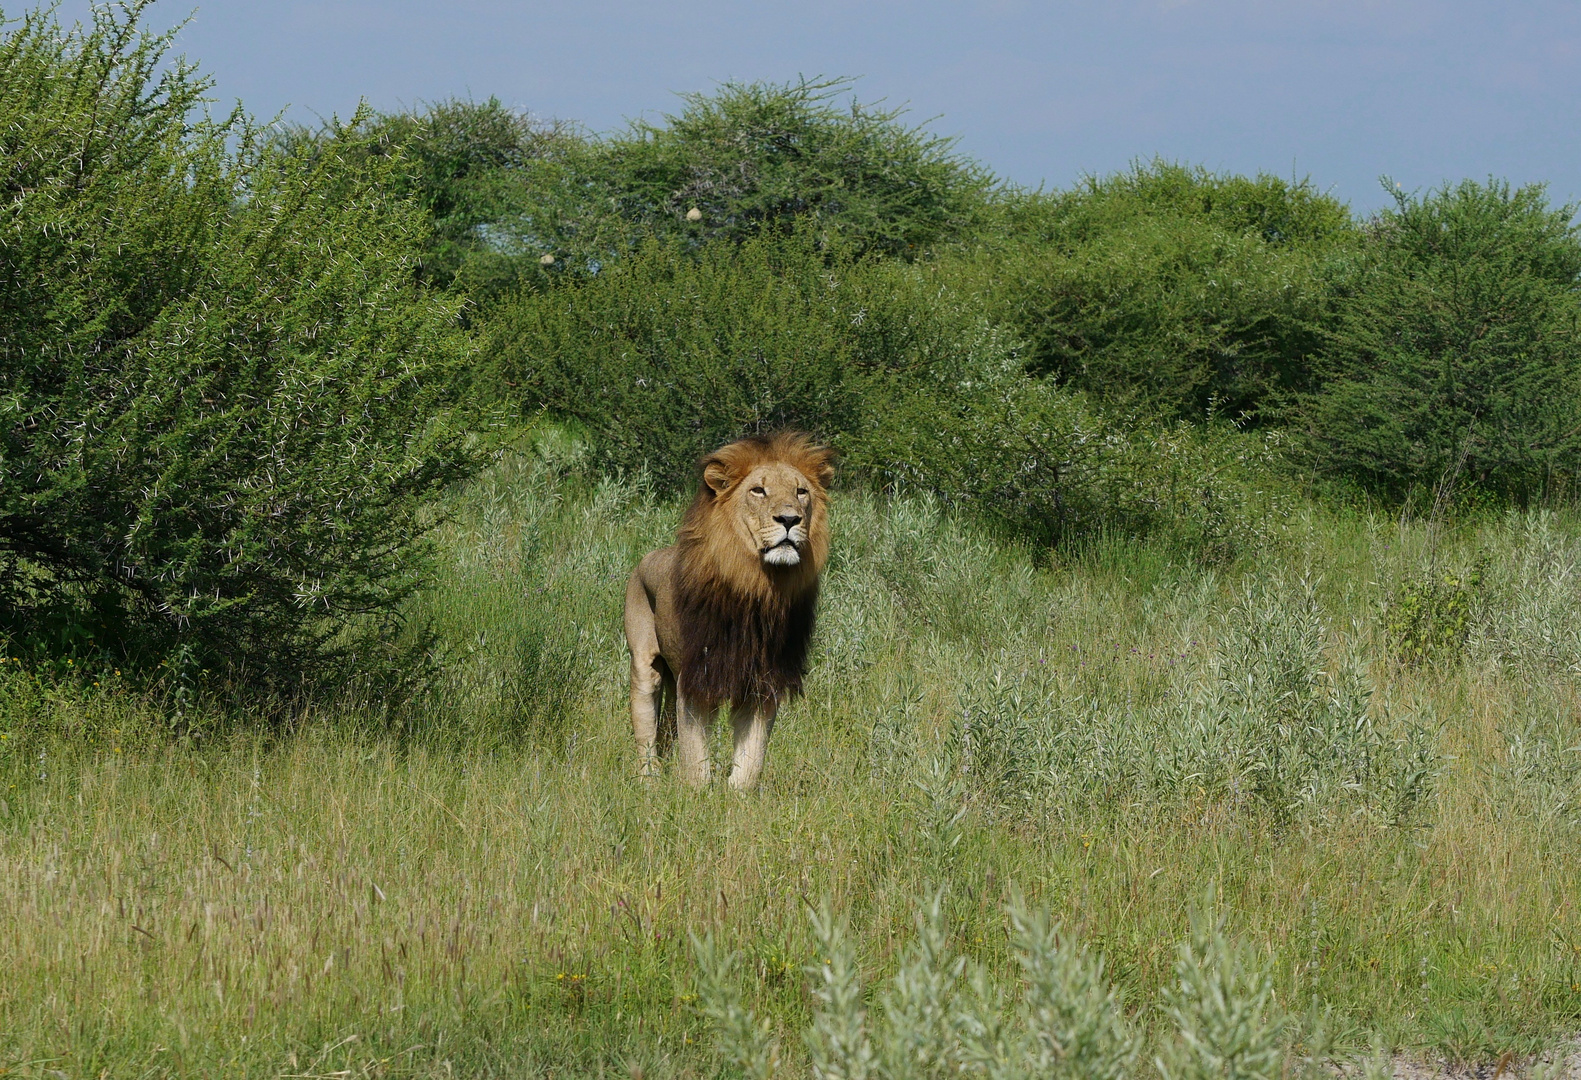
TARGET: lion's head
(759,523)
(751,548)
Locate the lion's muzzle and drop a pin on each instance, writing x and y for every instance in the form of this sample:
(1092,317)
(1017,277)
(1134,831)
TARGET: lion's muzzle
(785,549)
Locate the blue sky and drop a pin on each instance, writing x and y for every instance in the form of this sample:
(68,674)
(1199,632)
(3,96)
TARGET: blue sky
(1345,91)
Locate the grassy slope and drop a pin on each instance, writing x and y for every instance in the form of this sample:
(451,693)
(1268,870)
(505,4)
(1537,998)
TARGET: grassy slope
(498,895)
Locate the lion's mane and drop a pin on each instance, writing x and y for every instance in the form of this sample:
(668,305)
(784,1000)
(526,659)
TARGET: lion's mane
(745,626)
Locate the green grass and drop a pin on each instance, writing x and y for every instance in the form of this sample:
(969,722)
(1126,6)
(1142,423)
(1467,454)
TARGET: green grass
(478,884)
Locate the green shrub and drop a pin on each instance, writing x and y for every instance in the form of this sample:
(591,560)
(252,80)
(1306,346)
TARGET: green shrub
(755,159)
(1256,724)
(516,203)
(1429,616)
(1051,466)
(1459,356)
(1224,1010)
(1276,211)
(224,402)
(1172,289)
(665,355)
(942,1017)
(932,1021)
(466,164)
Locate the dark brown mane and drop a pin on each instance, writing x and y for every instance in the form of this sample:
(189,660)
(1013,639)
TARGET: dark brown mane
(745,627)
(742,648)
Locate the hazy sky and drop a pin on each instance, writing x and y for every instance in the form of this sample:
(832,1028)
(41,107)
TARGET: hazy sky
(1342,91)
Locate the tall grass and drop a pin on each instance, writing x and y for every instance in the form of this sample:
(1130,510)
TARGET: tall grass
(478,883)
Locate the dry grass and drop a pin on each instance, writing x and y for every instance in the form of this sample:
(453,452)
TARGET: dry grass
(481,887)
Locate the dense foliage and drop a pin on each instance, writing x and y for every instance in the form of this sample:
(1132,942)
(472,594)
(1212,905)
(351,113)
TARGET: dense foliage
(661,357)
(1458,355)
(467,165)
(1426,349)
(1173,289)
(224,401)
(665,355)
(1431,346)
(760,157)
(1053,466)
(507,194)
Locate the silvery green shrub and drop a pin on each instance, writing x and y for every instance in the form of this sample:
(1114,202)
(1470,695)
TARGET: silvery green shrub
(940,1016)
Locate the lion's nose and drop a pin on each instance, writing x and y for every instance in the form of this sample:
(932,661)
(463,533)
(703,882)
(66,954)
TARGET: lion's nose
(788,518)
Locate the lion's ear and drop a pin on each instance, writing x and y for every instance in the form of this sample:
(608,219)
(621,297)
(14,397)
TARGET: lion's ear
(716,474)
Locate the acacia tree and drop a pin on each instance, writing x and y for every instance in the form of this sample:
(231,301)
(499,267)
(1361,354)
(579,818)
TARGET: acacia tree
(756,156)
(224,398)
(466,164)
(750,160)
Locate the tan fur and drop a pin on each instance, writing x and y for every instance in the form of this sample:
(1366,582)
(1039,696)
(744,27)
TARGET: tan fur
(724,615)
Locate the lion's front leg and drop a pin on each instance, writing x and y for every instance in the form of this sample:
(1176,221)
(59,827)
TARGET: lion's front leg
(646,702)
(647,674)
(692,724)
(751,725)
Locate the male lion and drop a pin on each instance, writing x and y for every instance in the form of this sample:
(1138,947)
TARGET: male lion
(725,614)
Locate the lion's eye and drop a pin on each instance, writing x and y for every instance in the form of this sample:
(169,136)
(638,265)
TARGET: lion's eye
(759,491)
(801,493)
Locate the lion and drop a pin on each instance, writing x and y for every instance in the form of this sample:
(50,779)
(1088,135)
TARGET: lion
(725,615)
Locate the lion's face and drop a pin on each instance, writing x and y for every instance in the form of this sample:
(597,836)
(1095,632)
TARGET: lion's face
(759,524)
(772,505)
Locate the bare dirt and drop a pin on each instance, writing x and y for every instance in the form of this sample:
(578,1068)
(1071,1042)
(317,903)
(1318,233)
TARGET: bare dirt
(1568,1059)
